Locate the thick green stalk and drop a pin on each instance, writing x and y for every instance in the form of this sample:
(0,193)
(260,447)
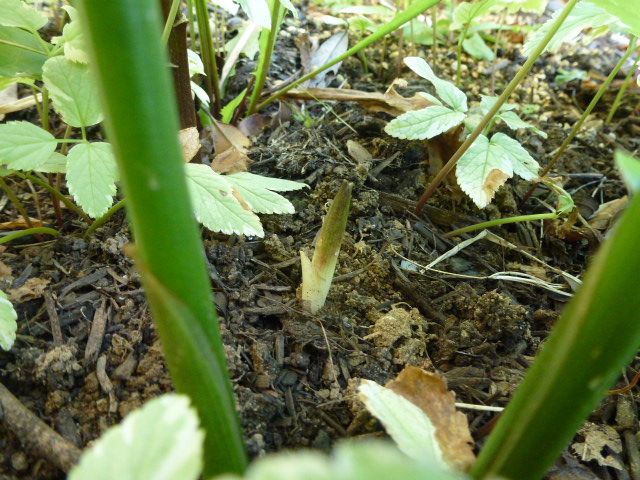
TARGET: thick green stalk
(29,231)
(513,84)
(597,335)
(601,91)
(623,89)
(266,52)
(208,52)
(130,63)
(415,9)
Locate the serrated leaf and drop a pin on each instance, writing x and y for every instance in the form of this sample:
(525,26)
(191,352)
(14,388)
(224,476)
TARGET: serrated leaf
(406,423)
(21,53)
(487,102)
(522,163)
(215,206)
(584,15)
(16,13)
(25,146)
(91,177)
(257,11)
(8,324)
(161,440)
(425,123)
(482,170)
(72,38)
(627,13)
(466,12)
(258,192)
(514,122)
(447,91)
(56,163)
(73,90)
(630,169)
(477,48)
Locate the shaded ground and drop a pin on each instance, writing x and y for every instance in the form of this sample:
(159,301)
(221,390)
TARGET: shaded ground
(295,374)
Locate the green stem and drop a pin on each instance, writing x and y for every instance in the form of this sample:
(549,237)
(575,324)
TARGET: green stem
(623,89)
(29,231)
(513,84)
(212,78)
(130,61)
(434,27)
(601,91)
(192,23)
(104,218)
(16,202)
(504,221)
(44,119)
(410,13)
(265,56)
(171,18)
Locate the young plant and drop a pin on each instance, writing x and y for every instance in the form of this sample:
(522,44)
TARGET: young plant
(317,273)
(490,161)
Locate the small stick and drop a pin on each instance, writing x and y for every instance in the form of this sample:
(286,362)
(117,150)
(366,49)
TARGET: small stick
(34,434)
(54,320)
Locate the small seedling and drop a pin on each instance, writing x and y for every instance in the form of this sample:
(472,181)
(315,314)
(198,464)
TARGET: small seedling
(317,274)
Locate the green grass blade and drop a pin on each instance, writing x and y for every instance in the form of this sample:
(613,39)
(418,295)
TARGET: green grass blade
(141,119)
(597,335)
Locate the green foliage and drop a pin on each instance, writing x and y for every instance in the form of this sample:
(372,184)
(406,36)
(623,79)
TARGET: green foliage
(565,76)
(625,10)
(24,146)
(8,324)
(630,169)
(15,13)
(161,440)
(22,54)
(72,38)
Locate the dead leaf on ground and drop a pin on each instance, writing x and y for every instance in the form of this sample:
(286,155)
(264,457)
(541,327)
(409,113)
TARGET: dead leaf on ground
(390,102)
(32,288)
(358,152)
(254,124)
(429,392)
(602,443)
(607,214)
(20,223)
(230,146)
(190,142)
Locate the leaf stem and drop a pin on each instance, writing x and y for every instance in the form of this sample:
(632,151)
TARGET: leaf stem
(513,84)
(16,202)
(104,218)
(504,221)
(208,52)
(410,13)
(29,231)
(623,89)
(171,18)
(54,191)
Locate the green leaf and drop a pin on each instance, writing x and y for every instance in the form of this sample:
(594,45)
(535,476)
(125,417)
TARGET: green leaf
(447,91)
(196,67)
(91,177)
(406,423)
(258,192)
(566,76)
(482,170)
(257,11)
(487,102)
(215,206)
(477,48)
(522,163)
(584,15)
(8,324)
(161,440)
(289,6)
(630,169)
(514,122)
(25,146)
(72,38)
(21,53)
(73,90)
(16,13)
(56,163)
(466,12)
(626,11)
(230,108)
(425,123)
(201,94)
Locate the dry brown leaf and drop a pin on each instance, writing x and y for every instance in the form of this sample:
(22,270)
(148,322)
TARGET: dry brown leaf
(231,149)
(32,288)
(358,152)
(5,271)
(254,124)
(608,213)
(602,443)
(390,102)
(429,392)
(20,223)
(190,142)
(494,181)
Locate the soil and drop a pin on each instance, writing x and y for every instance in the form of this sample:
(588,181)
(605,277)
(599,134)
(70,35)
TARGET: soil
(295,374)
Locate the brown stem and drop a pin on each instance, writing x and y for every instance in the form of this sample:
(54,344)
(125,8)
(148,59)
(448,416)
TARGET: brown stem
(34,434)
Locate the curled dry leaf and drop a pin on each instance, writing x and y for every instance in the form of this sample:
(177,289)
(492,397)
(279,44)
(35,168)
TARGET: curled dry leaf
(608,213)
(429,392)
(390,102)
(601,443)
(32,288)
(20,222)
(190,142)
(231,149)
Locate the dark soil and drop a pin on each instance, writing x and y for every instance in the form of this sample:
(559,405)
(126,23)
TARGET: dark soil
(295,374)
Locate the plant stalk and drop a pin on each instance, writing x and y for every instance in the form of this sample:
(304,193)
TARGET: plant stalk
(504,221)
(16,202)
(623,89)
(513,84)
(104,218)
(208,52)
(29,231)
(416,8)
